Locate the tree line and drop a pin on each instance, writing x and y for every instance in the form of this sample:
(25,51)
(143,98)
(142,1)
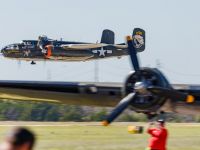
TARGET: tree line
(30,111)
(26,111)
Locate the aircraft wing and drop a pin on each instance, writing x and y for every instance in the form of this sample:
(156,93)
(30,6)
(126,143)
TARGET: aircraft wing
(191,89)
(83,46)
(88,93)
(190,108)
(91,94)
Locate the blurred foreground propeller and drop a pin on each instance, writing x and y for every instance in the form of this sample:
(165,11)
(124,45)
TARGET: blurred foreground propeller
(123,104)
(144,87)
(133,54)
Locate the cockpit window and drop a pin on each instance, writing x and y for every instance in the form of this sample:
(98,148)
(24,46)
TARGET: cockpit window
(29,43)
(26,43)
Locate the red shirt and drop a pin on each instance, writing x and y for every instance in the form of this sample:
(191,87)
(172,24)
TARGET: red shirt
(158,138)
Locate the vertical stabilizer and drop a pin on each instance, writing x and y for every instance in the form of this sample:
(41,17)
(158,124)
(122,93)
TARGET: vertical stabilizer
(108,37)
(139,39)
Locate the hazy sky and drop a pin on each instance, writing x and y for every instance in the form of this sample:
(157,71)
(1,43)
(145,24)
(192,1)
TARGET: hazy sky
(172,34)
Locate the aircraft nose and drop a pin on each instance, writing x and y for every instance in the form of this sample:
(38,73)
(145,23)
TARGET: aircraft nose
(4,51)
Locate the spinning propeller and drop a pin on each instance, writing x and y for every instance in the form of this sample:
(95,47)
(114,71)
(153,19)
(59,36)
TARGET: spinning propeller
(145,90)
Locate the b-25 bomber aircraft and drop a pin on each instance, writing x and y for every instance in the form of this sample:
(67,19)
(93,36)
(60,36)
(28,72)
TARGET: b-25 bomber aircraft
(146,90)
(48,49)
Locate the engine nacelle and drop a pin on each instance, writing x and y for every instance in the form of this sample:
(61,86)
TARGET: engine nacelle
(138,82)
(48,52)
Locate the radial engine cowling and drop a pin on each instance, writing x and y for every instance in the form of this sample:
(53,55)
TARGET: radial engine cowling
(138,82)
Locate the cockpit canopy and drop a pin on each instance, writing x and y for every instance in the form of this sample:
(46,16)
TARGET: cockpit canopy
(22,44)
(29,42)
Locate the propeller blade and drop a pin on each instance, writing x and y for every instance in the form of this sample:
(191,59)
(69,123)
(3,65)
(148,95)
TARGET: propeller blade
(133,53)
(123,104)
(172,94)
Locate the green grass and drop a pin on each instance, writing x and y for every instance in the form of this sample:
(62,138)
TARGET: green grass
(91,136)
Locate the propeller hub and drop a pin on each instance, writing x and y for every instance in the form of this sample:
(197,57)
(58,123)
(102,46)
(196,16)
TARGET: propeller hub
(141,87)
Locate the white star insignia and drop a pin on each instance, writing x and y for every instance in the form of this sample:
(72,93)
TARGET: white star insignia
(102,52)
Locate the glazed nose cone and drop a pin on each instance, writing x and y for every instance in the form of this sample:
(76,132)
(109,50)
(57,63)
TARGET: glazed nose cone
(4,51)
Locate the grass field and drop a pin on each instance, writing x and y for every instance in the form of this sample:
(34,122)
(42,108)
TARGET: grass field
(92,136)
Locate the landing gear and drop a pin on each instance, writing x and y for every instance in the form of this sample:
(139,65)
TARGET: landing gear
(33,62)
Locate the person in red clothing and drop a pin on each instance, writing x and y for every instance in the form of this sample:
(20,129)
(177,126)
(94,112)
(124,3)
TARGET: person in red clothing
(159,134)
